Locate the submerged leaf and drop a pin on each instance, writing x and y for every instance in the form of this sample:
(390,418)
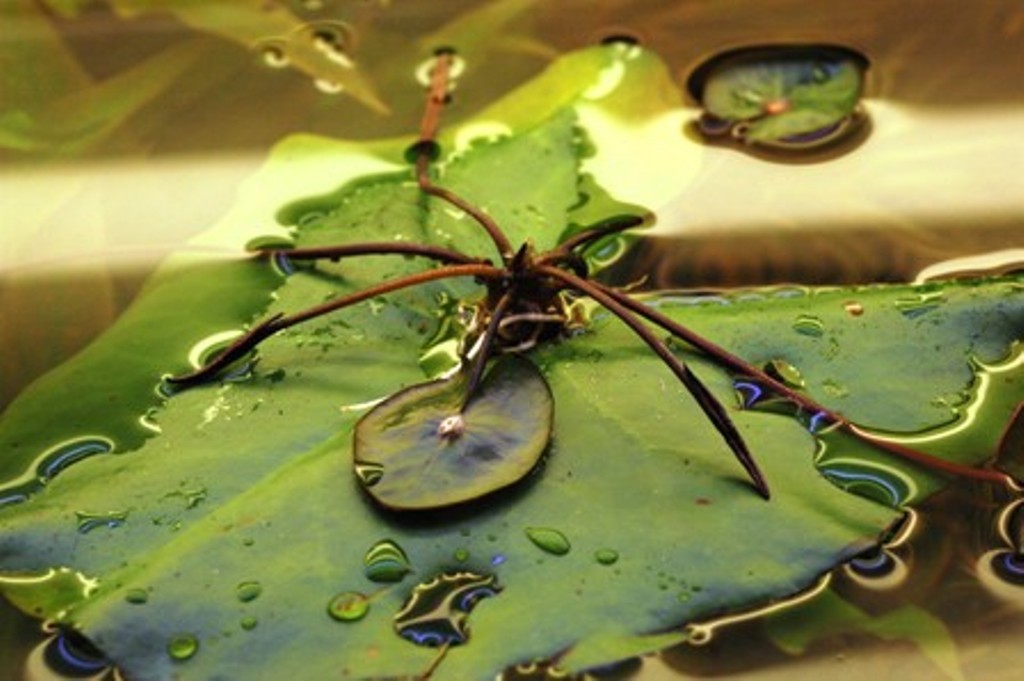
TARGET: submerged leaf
(830,615)
(424,453)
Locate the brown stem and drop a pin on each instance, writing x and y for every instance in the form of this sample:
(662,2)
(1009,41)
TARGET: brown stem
(704,398)
(437,96)
(742,368)
(436,99)
(498,237)
(376,248)
(268,327)
(486,344)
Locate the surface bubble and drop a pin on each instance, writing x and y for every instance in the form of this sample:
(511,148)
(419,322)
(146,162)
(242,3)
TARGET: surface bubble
(69,655)
(877,569)
(425,69)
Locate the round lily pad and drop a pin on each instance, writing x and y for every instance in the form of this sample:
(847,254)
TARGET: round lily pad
(417,450)
(791,97)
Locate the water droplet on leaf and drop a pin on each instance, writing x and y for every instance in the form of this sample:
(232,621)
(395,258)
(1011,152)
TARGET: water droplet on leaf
(369,474)
(785,372)
(248,591)
(853,308)
(182,646)
(809,325)
(87,522)
(348,606)
(136,596)
(549,540)
(385,561)
(913,306)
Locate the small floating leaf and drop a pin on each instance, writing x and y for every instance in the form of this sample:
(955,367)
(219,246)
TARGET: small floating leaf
(429,455)
(436,611)
(790,97)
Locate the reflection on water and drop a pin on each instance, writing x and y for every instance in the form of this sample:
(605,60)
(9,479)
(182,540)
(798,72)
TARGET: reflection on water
(937,179)
(790,99)
(926,602)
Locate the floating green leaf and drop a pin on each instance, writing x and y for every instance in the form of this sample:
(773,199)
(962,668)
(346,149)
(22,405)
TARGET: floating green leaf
(425,451)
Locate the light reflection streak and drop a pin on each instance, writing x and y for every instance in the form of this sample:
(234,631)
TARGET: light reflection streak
(199,351)
(701,633)
(862,475)
(1003,522)
(966,416)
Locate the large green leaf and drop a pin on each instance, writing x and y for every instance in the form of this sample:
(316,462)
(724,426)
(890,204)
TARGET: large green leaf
(647,520)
